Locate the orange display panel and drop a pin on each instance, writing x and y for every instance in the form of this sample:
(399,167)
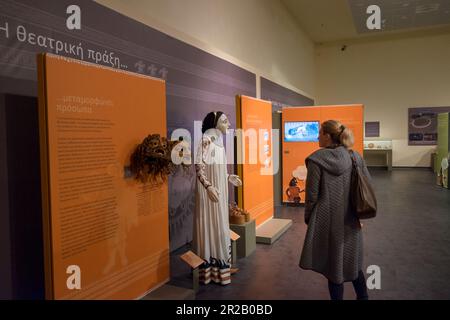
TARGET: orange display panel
(255,167)
(295,153)
(106,235)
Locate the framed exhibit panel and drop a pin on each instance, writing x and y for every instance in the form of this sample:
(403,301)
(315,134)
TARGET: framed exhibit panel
(105,233)
(423,125)
(372,129)
(443,149)
(255,157)
(300,131)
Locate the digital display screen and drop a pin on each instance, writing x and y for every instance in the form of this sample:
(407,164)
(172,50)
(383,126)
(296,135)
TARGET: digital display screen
(301,131)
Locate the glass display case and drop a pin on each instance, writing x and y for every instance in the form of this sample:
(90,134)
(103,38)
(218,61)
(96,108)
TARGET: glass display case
(377,144)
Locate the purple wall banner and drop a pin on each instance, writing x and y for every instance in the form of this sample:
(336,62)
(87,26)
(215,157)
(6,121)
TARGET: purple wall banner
(281,96)
(422,125)
(197,82)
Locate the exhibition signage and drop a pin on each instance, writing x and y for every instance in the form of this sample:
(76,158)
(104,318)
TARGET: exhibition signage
(256,159)
(105,233)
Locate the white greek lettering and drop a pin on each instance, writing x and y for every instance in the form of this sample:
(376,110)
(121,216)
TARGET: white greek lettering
(21,34)
(6,29)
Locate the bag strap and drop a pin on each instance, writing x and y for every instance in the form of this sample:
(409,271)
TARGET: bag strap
(352,156)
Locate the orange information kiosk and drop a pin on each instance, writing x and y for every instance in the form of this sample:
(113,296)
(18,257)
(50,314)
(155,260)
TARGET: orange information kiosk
(300,126)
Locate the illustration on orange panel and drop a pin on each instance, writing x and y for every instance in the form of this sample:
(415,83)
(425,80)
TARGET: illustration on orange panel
(294,192)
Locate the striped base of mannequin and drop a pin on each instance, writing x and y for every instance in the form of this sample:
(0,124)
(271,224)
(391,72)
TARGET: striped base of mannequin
(205,275)
(222,276)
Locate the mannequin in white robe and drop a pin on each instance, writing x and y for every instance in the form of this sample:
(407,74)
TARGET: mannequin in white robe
(211,221)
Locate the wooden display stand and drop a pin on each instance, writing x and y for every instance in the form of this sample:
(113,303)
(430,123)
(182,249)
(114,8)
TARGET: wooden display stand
(234,238)
(194,262)
(247,241)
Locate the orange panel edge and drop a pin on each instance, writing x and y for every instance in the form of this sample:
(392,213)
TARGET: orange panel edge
(257,190)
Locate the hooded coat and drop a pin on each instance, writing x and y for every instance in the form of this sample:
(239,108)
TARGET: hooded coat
(333,244)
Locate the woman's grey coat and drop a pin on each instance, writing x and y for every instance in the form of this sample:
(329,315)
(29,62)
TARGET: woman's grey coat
(333,243)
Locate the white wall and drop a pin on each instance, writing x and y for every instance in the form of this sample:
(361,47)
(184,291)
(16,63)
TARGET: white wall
(258,35)
(388,77)
(261,36)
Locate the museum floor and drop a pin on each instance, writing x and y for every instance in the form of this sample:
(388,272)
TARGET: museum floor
(409,241)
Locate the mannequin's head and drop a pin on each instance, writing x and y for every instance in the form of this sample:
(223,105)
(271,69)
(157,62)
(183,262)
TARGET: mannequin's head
(223,124)
(216,120)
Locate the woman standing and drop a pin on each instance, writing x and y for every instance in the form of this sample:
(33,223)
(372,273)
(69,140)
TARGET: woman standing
(333,244)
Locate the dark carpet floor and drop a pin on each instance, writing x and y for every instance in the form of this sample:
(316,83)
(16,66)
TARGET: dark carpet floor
(409,240)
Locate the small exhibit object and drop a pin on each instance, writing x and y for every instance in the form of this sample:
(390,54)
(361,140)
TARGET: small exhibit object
(238,215)
(256,194)
(300,130)
(151,160)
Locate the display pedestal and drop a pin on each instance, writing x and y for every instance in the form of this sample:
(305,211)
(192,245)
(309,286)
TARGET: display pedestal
(372,155)
(246,244)
(271,230)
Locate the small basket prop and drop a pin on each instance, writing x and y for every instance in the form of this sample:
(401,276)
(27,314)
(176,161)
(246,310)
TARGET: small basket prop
(238,215)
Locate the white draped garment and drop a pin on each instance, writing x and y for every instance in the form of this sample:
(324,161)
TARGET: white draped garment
(211,239)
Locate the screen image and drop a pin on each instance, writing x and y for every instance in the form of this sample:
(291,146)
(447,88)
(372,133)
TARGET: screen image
(301,131)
